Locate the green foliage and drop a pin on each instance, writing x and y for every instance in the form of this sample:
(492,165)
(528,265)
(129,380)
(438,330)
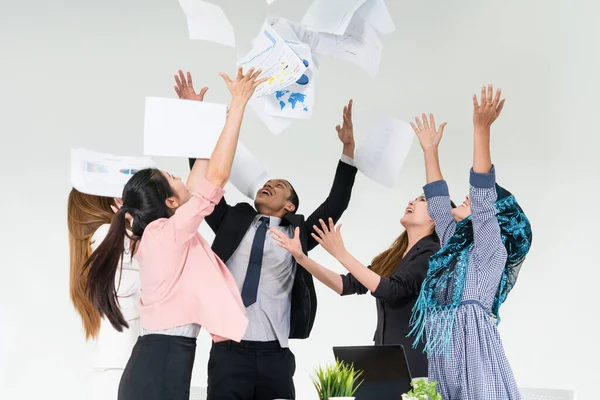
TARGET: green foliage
(337,380)
(422,390)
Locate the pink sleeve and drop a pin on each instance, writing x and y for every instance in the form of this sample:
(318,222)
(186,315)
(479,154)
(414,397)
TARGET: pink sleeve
(185,222)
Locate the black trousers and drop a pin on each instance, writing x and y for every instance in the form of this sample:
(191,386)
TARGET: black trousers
(250,371)
(160,368)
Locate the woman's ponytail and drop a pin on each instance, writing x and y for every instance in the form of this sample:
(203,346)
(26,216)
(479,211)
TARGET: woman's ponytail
(102,268)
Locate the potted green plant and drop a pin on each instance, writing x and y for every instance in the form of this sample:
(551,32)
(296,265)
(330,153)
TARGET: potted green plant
(422,390)
(336,381)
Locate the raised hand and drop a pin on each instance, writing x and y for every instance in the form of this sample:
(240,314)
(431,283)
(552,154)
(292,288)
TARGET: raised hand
(292,245)
(486,111)
(429,136)
(346,130)
(185,88)
(243,86)
(330,238)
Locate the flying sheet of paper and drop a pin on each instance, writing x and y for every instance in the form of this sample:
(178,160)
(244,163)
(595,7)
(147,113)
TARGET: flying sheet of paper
(275,124)
(382,154)
(307,36)
(331,16)
(270,1)
(182,128)
(376,13)
(207,21)
(103,174)
(289,32)
(360,45)
(247,174)
(276,59)
(295,100)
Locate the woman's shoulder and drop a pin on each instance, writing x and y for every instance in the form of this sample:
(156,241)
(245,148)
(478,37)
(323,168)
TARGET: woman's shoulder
(99,235)
(155,227)
(429,243)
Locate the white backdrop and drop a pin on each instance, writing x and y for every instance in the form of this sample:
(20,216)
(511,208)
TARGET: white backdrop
(75,73)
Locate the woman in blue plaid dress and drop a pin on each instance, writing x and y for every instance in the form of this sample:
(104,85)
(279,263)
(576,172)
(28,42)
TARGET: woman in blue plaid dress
(484,241)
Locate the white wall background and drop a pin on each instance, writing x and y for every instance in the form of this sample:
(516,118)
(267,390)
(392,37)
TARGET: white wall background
(75,73)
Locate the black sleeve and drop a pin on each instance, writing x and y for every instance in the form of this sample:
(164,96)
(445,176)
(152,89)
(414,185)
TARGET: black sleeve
(216,217)
(405,282)
(336,203)
(351,285)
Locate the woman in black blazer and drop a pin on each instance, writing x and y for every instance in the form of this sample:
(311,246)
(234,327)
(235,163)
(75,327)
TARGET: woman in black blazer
(394,277)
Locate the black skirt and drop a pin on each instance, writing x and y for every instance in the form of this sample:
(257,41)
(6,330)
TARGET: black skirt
(160,368)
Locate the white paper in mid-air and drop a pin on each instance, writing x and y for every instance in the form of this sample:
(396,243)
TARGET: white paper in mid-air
(381,155)
(182,128)
(247,174)
(301,40)
(207,21)
(360,45)
(275,58)
(376,13)
(331,16)
(304,35)
(270,1)
(103,174)
(275,124)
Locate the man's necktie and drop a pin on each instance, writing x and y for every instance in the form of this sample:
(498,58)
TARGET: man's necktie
(250,287)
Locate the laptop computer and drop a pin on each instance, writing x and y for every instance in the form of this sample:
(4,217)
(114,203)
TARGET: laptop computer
(385,376)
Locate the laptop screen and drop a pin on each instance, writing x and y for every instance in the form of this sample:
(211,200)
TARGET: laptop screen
(385,370)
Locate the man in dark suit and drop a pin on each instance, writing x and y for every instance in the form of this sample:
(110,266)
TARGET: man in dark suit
(279,295)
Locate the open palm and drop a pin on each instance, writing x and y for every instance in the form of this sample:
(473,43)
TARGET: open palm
(185,88)
(429,136)
(346,130)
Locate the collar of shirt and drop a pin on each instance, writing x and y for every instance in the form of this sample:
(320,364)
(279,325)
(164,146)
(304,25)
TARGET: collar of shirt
(274,222)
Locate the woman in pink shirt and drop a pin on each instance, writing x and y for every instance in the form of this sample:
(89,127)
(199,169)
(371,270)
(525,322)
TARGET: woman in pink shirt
(184,285)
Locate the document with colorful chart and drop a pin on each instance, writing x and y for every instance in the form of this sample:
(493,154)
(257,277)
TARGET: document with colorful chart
(276,59)
(103,174)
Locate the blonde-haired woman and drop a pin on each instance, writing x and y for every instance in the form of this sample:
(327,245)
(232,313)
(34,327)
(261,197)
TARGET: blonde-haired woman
(88,219)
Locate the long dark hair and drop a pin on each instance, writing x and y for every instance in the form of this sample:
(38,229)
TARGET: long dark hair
(144,198)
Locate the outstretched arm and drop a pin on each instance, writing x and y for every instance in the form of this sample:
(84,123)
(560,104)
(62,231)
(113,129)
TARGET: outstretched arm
(486,231)
(221,160)
(324,275)
(402,284)
(341,190)
(185,90)
(330,238)
(436,190)
(206,187)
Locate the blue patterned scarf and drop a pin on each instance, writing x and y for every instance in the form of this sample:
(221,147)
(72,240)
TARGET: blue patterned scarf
(442,290)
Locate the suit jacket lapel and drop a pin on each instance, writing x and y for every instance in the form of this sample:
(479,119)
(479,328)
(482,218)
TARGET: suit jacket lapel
(297,220)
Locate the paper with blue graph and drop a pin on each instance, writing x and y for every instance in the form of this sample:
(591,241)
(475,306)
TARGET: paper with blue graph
(296,100)
(103,174)
(276,59)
